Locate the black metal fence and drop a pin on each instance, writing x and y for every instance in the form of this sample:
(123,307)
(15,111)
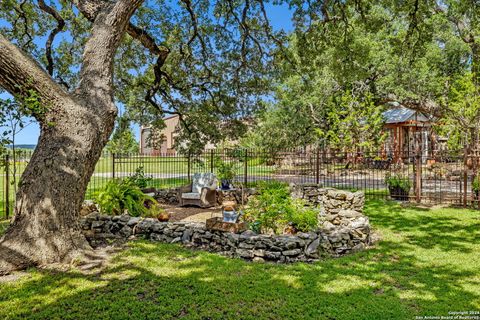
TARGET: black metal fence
(440,177)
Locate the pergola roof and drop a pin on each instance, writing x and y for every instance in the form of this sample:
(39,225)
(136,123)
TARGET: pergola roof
(401,114)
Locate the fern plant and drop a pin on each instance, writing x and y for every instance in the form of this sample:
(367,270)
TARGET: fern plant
(119,196)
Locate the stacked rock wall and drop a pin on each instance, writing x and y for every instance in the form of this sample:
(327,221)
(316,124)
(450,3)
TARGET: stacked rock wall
(311,246)
(342,229)
(329,199)
(340,216)
(166,196)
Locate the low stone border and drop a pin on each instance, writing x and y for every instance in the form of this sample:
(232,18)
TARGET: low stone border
(311,246)
(166,196)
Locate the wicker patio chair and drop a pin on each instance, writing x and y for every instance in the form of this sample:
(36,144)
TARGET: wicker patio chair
(201,192)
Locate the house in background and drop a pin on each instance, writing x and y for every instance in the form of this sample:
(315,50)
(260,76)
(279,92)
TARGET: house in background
(163,142)
(407,128)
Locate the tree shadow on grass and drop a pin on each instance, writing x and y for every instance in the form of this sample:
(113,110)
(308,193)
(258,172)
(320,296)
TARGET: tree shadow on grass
(159,281)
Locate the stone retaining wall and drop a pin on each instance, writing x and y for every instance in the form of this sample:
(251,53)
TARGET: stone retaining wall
(342,229)
(332,240)
(166,196)
(330,200)
(340,216)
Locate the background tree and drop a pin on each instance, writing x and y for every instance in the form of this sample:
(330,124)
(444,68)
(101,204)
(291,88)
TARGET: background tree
(422,54)
(14,118)
(325,92)
(123,139)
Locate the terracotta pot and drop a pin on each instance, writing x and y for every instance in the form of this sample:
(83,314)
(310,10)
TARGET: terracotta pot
(163,217)
(290,230)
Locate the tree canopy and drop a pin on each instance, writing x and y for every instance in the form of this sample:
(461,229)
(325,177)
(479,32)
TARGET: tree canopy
(215,62)
(346,59)
(206,61)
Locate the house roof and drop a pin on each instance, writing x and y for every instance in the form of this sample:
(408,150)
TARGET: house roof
(402,114)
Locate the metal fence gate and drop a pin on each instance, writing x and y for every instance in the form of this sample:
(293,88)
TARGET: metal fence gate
(442,177)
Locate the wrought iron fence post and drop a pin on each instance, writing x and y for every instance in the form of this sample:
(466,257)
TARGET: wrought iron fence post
(113,165)
(418,176)
(317,169)
(245,169)
(7,185)
(188,166)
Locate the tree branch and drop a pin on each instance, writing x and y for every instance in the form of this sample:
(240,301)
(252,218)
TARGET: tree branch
(21,14)
(147,41)
(96,75)
(90,10)
(19,73)
(60,25)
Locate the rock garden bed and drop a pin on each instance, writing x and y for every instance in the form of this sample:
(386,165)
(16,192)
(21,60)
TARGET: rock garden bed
(341,229)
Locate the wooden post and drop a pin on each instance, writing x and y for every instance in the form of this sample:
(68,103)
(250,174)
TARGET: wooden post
(7,185)
(418,177)
(418,161)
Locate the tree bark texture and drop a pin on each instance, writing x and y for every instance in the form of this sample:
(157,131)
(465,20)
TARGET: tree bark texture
(74,129)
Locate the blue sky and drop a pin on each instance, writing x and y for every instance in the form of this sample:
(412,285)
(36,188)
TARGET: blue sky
(280,18)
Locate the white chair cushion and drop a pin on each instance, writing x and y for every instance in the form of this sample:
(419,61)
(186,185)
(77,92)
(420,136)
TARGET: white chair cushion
(191,195)
(203,180)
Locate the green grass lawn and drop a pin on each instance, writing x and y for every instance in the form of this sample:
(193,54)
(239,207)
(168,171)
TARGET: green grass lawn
(426,265)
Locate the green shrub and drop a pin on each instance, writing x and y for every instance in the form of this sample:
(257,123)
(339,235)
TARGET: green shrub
(120,195)
(398,181)
(139,179)
(273,209)
(225,170)
(303,217)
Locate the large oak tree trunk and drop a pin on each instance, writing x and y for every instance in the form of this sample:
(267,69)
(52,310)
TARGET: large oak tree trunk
(45,227)
(74,129)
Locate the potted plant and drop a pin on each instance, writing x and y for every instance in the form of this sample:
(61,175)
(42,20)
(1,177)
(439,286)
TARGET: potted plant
(226,173)
(398,186)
